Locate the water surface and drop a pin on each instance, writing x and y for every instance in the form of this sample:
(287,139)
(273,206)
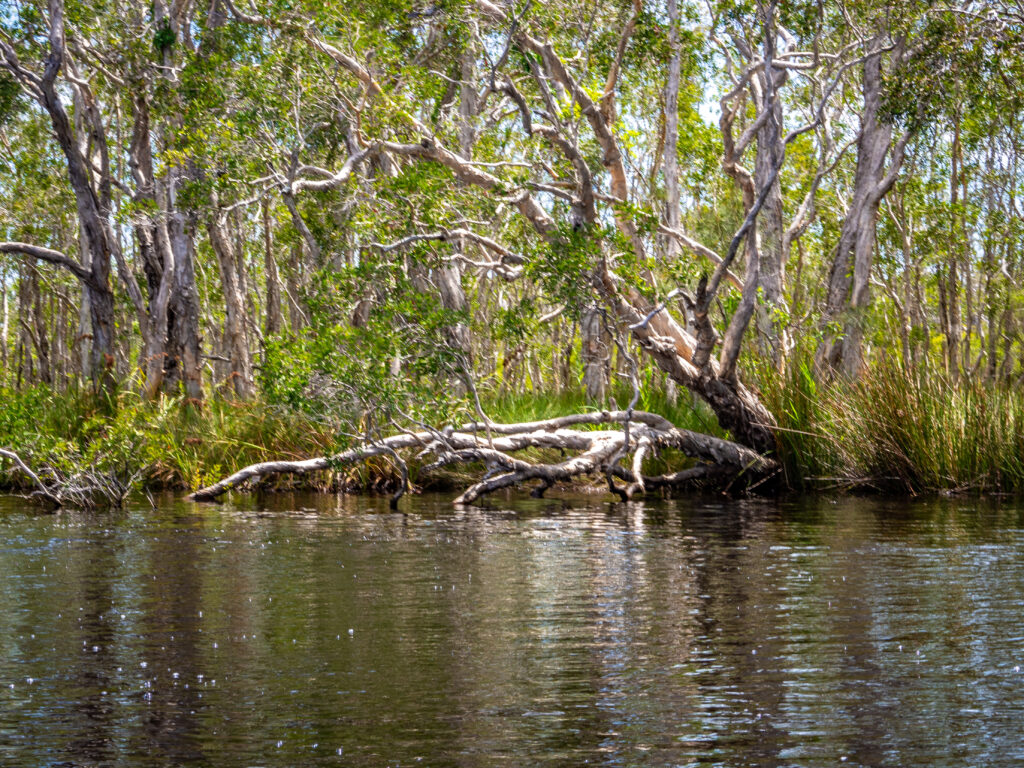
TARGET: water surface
(329,631)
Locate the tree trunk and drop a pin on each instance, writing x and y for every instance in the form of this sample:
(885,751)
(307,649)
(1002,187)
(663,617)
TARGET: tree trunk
(273,323)
(595,354)
(596,452)
(101,315)
(93,208)
(235,340)
(771,242)
(453,297)
(312,246)
(40,334)
(5,329)
(61,358)
(957,362)
(297,318)
(848,282)
(26,368)
(671,151)
(155,249)
(467,102)
(184,332)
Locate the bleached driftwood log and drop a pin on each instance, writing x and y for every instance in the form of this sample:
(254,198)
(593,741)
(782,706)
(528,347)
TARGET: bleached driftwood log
(596,452)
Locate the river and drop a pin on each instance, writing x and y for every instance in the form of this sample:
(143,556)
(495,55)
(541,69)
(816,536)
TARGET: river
(308,631)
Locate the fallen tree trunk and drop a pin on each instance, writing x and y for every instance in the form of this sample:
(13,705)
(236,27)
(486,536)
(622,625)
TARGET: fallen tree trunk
(597,452)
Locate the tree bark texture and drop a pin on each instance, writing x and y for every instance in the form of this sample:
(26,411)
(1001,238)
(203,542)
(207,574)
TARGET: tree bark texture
(849,276)
(235,337)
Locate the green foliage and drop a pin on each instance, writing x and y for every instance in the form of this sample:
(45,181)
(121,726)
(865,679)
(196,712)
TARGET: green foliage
(954,68)
(898,430)
(515,323)
(341,372)
(9,92)
(154,445)
(164,37)
(562,268)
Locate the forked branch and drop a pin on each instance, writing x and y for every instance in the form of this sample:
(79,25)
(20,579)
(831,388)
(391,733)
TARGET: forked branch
(492,444)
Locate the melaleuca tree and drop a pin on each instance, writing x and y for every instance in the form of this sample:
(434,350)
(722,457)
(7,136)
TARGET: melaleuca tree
(450,197)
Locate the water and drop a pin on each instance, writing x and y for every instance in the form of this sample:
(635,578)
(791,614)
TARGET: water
(322,631)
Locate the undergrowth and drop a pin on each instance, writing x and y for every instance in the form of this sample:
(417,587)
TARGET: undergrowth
(892,430)
(897,430)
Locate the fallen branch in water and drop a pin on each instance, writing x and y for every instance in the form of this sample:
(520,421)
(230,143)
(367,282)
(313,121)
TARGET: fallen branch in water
(596,452)
(42,490)
(83,489)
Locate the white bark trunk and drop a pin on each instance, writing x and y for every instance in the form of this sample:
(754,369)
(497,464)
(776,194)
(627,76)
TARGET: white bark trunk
(595,354)
(274,321)
(671,156)
(235,338)
(848,291)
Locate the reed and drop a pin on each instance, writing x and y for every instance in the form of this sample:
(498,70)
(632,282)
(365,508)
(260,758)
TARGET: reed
(924,432)
(899,430)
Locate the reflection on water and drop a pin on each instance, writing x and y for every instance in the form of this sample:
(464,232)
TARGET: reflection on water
(329,631)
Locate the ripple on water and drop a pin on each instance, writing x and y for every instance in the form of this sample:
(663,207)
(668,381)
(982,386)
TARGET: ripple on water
(559,631)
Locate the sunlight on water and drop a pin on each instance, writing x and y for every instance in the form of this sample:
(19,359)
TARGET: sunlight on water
(330,631)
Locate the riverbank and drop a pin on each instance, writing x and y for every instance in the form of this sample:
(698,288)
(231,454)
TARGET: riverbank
(891,432)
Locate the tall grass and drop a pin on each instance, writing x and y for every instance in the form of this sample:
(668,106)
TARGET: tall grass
(167,443)
(808,446)
(685,412)
(930,434)
(892,430)
(899,430)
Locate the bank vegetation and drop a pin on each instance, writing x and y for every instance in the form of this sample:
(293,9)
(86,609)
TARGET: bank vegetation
(742,247)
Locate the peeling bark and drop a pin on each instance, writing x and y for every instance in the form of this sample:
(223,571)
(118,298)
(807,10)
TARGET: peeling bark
(849,276)
(235,338)
(671,159)
(274,321)
(185,336)
(595,352)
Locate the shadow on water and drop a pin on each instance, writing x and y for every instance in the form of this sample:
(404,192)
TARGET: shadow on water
(316,630)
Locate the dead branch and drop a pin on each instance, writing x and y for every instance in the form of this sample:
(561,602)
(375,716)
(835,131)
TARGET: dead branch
(596,452)
(85,488)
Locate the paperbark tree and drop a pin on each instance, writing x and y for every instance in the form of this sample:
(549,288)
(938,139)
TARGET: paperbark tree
(878,166)
(93,203)
(661,336)
(235,336)
(167,317)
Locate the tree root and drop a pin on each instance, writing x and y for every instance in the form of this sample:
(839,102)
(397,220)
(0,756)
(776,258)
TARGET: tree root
(597,452)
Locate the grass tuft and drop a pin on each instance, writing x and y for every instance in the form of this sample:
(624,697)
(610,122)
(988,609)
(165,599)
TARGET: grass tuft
(897,430)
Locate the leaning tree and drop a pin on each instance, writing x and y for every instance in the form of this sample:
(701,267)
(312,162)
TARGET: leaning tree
(569,172)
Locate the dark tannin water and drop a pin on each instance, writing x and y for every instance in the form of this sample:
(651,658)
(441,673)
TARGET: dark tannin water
(330,631)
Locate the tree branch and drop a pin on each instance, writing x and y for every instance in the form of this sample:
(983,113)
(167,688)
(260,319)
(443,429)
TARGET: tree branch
(48,255)
(491,443)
